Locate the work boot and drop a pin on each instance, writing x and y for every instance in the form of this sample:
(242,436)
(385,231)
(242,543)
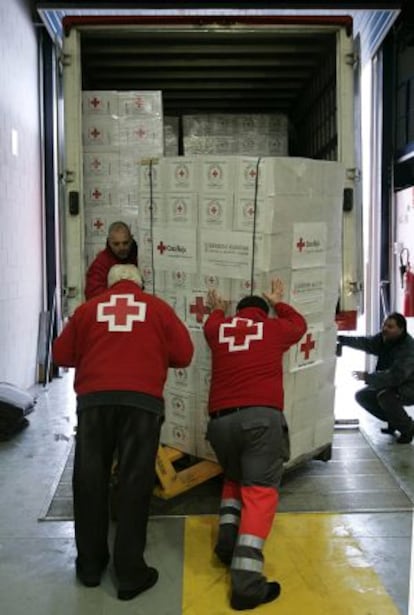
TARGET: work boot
(244,603)
(388,430)
(224,555)
(406,438)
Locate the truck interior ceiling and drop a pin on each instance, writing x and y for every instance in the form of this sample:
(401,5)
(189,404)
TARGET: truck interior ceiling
(222,68)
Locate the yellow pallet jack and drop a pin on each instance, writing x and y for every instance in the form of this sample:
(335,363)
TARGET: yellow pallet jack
(172,481)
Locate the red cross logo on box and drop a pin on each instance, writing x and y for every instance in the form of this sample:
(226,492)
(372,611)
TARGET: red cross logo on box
(161,247)
(181,173)
(178,278)
(300,244)
(95,102)
(181,375)
(307,346)
(98,224)
(215,173)
(120,312)
(95,133)
(249,210)
(252,173)
(180,208)
(199,309)
(214,209)
(239,333)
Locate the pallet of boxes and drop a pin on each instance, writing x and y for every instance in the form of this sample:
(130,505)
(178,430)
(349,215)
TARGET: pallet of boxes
(231,214)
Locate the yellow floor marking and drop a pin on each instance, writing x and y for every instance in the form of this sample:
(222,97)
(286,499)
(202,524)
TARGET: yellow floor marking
(321,568)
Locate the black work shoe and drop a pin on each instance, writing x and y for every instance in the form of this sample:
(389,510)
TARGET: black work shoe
(88,579)
(406,438)
(151,579)
(388,430)
(243,603)
(224,555)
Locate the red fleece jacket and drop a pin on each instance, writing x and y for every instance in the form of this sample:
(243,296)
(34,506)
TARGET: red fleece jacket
(97,273)
(111,353)
(247,352)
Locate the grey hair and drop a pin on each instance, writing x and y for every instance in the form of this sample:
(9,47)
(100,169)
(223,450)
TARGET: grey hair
(124,272)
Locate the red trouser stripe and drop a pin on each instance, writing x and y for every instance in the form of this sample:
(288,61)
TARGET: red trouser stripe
(258,510)
(231,490)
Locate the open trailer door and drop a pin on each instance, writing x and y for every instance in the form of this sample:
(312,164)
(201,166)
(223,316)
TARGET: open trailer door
(327,111)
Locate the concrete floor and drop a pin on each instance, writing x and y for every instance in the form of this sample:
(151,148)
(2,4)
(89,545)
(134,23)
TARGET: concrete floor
(37,558)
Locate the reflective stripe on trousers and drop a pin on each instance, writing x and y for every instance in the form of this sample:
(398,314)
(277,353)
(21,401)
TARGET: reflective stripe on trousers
(247,566)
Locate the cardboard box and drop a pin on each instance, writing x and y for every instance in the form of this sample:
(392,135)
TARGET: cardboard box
(216,211)
(100,193)
(100,133)
(100,102)
(180,174)
(181,209)
(101,164)
(138,103)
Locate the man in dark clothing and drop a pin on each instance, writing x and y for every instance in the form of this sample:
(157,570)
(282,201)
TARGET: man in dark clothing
(121,248)
(248,431)
(121,344)
(391,385)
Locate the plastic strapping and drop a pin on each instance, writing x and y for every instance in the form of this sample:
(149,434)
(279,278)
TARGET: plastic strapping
(151,207)
(256,190)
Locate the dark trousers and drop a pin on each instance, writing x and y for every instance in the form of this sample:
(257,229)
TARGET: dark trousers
(133,434)
(385,405)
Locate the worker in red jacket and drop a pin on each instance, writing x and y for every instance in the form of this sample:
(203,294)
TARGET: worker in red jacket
(121,345)
(121,248)
(248,431)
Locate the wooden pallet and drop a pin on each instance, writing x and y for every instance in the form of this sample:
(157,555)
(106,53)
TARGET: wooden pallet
(173,481)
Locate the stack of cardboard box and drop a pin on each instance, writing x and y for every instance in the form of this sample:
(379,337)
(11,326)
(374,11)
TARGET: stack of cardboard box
(118,129)
(240,134)
(232,223)
(229,222)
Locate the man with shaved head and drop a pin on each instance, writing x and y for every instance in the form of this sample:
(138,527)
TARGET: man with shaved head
(121,249)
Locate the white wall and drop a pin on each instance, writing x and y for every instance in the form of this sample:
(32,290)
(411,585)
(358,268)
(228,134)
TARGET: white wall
(20,196)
